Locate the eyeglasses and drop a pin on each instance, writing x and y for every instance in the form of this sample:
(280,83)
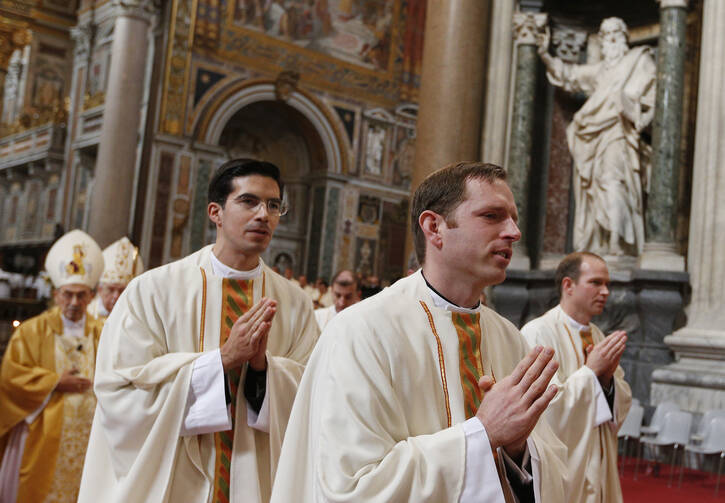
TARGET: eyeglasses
(275,207)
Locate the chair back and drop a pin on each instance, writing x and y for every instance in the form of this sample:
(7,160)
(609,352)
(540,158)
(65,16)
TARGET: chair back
(706,420)
(632,423)
(675,428)
(659,414)
(714,440)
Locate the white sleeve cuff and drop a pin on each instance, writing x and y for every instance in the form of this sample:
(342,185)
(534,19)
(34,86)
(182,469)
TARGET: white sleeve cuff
(206,406)
(33,416)
(481,483)
(259,421)
(603,412)
(523,476)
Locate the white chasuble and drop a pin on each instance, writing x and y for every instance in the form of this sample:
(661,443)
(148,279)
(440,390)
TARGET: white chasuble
(164,320)
(380,410)
(572,414)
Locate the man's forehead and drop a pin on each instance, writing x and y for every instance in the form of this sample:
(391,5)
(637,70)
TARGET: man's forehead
(593,265)
(255,184)
(74,288)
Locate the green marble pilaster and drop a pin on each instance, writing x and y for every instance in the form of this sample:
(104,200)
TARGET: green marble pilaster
(661,216)
(522,124)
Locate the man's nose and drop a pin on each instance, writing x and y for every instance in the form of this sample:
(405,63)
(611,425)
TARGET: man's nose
(512,230)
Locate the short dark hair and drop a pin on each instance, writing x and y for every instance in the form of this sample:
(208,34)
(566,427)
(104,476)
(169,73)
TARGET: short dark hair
(343,282)
(442,192)
(570,267)
(221,184)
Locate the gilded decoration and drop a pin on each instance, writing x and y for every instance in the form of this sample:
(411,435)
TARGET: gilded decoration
(93,100)
(33,117)
(371,49)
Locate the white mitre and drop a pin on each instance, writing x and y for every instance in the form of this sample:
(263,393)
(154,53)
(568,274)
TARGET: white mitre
(74,259)
(123,262)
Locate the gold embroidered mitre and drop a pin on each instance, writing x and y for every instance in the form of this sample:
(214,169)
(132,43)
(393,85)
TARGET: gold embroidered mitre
(122,262)
(74,258)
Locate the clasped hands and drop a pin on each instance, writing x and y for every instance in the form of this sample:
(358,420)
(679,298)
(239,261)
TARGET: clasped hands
(71,382)
(511,408)
(603,357)
(247,340)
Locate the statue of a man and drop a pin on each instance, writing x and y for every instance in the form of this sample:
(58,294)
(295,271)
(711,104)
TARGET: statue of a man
(604,139)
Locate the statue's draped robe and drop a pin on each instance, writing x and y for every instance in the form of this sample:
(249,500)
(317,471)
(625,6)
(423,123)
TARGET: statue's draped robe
(51,448)
(378,416)
(592,449)
(605,144)
(155,332)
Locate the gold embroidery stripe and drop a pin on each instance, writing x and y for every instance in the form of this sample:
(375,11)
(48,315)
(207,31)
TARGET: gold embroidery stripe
(203,310)
(441,361)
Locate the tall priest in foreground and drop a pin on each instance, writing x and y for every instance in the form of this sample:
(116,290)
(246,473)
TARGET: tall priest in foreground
(46,401)
(420,393)
(200,360)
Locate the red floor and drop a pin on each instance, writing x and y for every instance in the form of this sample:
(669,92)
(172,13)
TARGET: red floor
(696,486)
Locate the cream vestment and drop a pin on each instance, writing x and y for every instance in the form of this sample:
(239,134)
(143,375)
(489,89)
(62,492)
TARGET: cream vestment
(165,320)
(380,417)
(592,444)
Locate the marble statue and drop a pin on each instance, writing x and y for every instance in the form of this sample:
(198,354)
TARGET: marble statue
(604,139)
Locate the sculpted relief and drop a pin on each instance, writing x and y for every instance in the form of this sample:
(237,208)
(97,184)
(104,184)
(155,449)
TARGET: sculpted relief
(604,138)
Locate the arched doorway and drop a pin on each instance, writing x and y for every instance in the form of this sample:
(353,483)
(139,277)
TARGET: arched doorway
(276,132)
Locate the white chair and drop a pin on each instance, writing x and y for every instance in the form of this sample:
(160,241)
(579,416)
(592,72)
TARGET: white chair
(630,429)
(657,418)
(713,443)
(707,417)
(675,431)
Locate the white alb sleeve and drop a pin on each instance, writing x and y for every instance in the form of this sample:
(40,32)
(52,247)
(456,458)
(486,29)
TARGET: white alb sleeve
(603,412)
(206,406)
(481,483)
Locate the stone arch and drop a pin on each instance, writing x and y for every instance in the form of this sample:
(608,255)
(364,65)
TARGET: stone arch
(241,94)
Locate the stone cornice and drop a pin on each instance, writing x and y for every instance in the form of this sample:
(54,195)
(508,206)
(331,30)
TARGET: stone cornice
(666,4)
(139,9)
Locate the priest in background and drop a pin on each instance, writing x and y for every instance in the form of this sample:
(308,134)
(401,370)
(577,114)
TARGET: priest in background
(345,292)
(594,398)
(122,263)
(420,393)
(200,360)
(46,401)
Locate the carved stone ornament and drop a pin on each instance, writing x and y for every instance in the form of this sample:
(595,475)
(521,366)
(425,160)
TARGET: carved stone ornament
(141,9)
(568,44)
(527,25)
(666,4)
(285,84)
(82,35)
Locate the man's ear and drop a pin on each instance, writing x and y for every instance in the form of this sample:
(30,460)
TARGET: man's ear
(214,211)
(566,285)
(430,223)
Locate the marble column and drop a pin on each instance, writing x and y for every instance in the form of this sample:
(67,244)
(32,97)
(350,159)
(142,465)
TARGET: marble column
(112,193)
(526,26)
(498,83)
(452,84)
(660,251)
(697,379)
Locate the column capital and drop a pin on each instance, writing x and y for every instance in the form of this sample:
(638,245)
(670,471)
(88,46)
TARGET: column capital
(139,9)
(568,44)
(82,35)
(666,4)
(527,25)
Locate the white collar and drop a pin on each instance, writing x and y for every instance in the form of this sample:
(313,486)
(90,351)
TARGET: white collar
(73,325)
(575,324)
(442,303)
(225,271)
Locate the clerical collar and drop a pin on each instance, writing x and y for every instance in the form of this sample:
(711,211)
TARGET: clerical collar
(225,271)
(73,325)
(443,303)
(575,324)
